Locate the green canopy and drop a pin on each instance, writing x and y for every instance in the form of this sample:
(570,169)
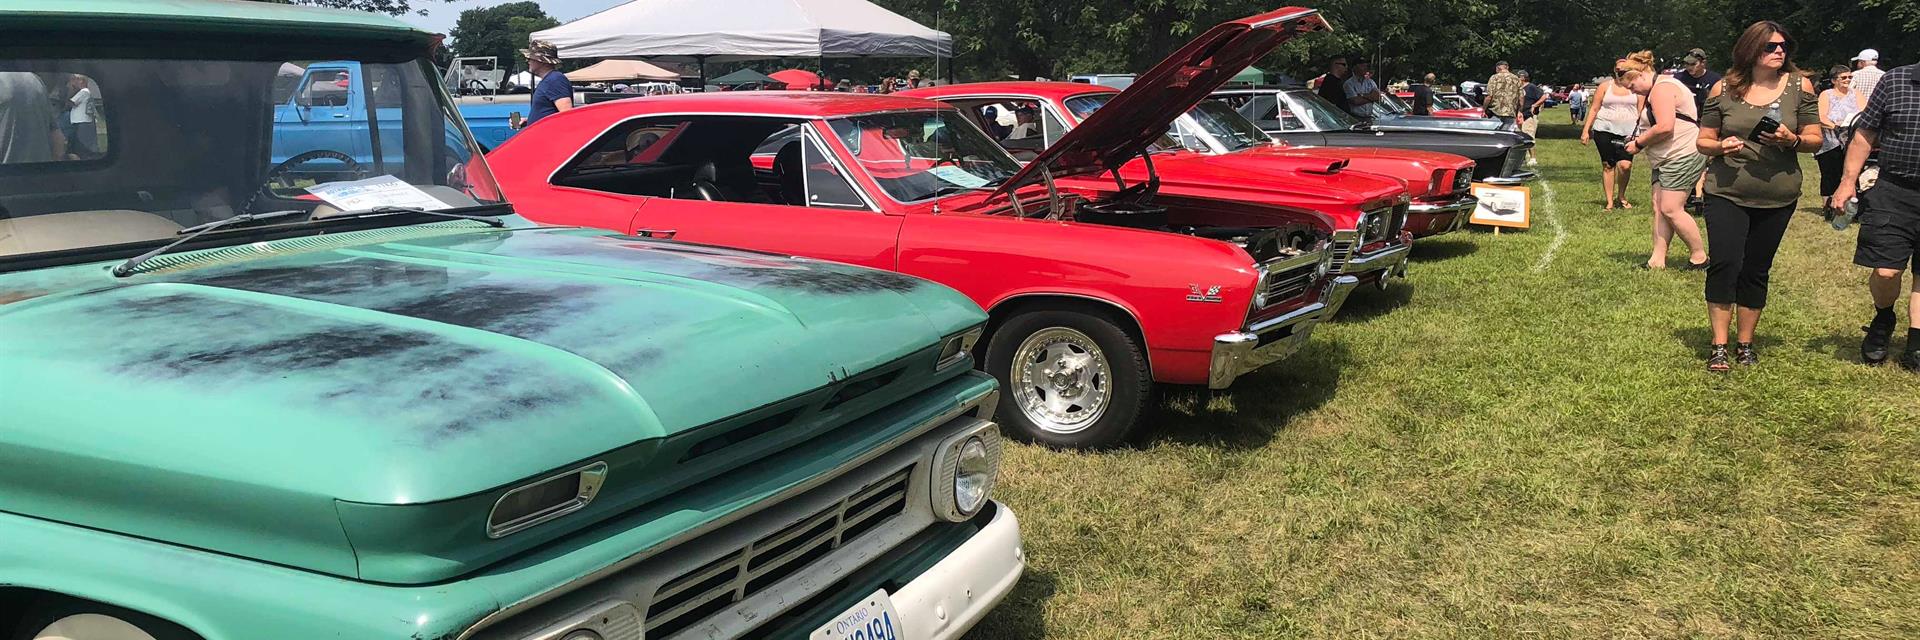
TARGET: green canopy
(1251,75)
(743,76)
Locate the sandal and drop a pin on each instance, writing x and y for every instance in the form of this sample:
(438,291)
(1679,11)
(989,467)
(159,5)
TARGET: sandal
(1696,266)
(1717,359)
(1744,355)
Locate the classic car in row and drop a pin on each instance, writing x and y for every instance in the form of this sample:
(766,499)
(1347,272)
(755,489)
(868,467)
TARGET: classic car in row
(1096,290)
(1300,117)
(1444,105)
(390,408)
(1213,146)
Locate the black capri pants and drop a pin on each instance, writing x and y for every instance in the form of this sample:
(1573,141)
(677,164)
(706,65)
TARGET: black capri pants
(1741,242)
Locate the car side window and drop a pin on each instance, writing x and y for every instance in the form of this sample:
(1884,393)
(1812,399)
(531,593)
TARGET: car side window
(826,186)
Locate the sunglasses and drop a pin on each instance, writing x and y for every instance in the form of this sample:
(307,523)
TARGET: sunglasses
(1778,46)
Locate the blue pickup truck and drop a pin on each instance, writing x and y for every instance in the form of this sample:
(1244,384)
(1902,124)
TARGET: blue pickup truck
(322,115)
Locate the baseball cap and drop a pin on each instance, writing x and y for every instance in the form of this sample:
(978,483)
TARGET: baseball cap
(1867,55)
(1695,54)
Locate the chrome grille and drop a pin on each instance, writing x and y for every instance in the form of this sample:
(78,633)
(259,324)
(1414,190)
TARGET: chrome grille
(702,592)
(1342,250)
(1285,285)
(1516,158)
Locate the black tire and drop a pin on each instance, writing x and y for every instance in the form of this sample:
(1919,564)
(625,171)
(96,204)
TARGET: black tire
(47,610)
(1129,380)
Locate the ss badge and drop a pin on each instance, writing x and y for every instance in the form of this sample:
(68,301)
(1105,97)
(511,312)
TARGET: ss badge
(1194,295)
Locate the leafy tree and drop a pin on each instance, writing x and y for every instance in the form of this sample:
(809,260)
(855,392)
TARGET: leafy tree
(389,7)
(500,31)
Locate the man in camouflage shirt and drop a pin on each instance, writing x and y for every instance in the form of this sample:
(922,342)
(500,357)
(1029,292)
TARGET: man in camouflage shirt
(1505,92)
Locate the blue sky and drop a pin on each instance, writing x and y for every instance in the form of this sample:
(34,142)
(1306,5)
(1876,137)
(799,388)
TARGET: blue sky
(441,15)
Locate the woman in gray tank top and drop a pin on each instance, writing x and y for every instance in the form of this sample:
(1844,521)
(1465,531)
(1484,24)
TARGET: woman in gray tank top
(1753,181)
(1668,138)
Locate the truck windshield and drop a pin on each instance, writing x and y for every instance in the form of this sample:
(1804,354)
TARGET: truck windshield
(919,155)
(104,152)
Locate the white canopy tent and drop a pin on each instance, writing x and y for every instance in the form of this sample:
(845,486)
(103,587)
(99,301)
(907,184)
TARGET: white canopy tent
(617,70)
(730,30)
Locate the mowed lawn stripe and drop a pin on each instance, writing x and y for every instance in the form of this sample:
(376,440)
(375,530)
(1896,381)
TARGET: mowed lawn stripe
(1490,451)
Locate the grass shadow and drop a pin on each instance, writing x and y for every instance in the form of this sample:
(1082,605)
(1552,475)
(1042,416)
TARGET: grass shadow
(1845,346)
(1697,339)
(1367,302)
(1022,614)
(1244,416)
(1438,250)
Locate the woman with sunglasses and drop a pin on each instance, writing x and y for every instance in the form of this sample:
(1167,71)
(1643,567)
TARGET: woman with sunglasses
(1838,106)
(1760,115)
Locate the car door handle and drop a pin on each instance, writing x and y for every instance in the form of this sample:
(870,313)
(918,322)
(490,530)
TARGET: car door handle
(339,115)
(664,234)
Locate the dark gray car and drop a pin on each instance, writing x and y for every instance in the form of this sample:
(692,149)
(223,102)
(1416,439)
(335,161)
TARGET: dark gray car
(1300,117)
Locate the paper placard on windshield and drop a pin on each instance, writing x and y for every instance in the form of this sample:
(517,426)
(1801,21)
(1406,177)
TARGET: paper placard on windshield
(958,176)
(383,191)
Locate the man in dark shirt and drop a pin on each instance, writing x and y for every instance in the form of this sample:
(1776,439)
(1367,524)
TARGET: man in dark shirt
(1423,96)
(1889,240)
(1333,86)
(1698,78)
(552,93)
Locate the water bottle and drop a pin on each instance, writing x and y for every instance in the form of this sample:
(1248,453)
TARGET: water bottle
(1840,219)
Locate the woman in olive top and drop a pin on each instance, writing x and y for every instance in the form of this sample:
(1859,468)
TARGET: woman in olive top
(1753,181)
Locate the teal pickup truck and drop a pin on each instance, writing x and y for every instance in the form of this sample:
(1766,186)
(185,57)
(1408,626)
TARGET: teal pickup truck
(237,409)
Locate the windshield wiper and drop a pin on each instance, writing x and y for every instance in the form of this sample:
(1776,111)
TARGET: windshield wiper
(386,209)
(188,234)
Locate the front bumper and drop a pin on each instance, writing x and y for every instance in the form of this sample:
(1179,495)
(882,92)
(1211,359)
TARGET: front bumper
(1515,179)
(1387,262)
(1269,341)
(1460,209)
(953,595)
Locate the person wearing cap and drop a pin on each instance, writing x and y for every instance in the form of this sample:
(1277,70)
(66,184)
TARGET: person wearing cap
(552,92)
(1866,74)
(1889,241)
(1505,93)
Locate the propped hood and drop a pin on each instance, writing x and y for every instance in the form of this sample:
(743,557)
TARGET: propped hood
(232,402)
(1141,114)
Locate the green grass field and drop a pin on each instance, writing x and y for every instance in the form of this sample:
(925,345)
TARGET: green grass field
(1519,441)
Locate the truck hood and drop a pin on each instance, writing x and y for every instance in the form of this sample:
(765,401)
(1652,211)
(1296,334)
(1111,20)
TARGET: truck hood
(1137,117)
(249,392)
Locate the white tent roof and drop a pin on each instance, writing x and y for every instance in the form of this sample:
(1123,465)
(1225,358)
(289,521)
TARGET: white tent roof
(746,29)
(611,70)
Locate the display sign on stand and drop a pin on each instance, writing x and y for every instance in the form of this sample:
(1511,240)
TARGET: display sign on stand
(1502,206)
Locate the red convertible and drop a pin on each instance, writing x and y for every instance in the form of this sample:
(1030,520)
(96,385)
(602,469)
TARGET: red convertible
(1094,295)
(1211,136)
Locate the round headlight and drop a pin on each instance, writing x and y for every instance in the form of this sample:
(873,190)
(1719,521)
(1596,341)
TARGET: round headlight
(972,476)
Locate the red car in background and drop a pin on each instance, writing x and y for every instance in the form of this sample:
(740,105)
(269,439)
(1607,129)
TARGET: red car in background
(1445,107)
(1211,137)
(1095,293)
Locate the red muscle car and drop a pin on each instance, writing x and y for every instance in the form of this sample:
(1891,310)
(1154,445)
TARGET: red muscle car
(1211,136)
(1444,106)
(1094,294)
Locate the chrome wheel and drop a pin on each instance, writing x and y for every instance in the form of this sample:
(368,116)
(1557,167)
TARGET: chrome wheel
(1061,380)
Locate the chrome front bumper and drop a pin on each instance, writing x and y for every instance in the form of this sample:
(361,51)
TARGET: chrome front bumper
(1240,352)
(1393,260)
(1462,208)
(961,588)
(1515,179)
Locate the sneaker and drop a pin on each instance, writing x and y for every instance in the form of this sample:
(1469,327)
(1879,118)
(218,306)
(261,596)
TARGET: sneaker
(1873,348)
(1744,355)
(1717,359)
(1911,361)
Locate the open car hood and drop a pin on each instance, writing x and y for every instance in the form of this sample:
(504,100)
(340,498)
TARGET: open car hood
(1130,122)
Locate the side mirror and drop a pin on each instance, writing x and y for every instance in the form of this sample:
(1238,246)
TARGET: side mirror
(303,100)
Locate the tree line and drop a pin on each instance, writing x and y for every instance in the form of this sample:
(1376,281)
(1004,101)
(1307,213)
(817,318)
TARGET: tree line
(1561,41)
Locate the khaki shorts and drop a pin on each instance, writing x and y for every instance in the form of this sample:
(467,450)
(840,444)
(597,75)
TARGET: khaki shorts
(1679,174)
(1531,126)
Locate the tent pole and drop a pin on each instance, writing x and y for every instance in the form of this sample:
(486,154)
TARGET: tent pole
(703,72)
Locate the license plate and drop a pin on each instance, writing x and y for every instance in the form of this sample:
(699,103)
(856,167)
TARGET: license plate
(872,619)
